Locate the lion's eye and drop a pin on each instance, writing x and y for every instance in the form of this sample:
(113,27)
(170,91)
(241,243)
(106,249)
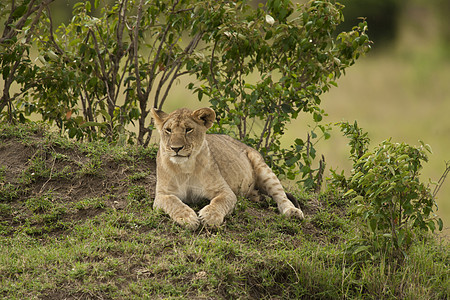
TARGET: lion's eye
(168,130)
(189,130)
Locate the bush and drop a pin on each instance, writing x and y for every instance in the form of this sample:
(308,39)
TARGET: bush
(270,65)
(388,193)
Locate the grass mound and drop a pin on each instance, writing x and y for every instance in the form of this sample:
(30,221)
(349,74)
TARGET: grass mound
(76,222)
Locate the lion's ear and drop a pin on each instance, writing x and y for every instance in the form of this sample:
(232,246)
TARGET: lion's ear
(205,116)
(158,116)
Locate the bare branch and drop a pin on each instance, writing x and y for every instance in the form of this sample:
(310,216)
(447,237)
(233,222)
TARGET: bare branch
(267,125)
(211,69)
(52,37)
(442,179)
(10,31)
(121,26)
(175,76)
(174,71)
(110,87)
(152,71)
(135,53)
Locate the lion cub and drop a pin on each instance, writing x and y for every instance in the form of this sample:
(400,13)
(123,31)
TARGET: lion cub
(193,166)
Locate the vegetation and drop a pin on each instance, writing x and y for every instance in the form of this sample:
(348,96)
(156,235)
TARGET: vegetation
(76,217)
(95,74)
(388,193)
(293,57)
(93,234)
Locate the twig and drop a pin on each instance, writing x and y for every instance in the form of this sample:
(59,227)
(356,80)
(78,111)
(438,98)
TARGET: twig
(261,138)
(158,52)
(442,179)
(50,177)
(51,36)
(174,70)
(211,69)
(308,145)
(320,174)
(166,93)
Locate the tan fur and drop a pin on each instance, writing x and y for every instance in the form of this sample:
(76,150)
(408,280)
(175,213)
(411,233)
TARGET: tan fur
(193,165)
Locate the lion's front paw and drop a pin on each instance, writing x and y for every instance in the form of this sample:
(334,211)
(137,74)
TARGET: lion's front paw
(187,218)
(209,216)
(294,212)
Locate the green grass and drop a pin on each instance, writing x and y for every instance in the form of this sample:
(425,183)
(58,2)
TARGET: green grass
(94,234)
(124,255)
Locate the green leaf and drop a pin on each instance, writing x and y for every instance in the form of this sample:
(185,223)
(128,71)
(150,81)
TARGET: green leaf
(291,161)
(317,117)
(349,192)
(286,108)
(19,11)
(5,72)
(431,225)
(73,132)
(360,249)
(134,113)
(391,169)
(104,114)
(400,237)
(440,224)
(373,224)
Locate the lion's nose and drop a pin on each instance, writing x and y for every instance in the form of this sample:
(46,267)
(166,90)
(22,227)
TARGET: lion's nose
(177,149)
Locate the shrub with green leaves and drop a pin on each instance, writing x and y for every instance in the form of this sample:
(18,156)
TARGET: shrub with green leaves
(389,195)
(21,19)
(271,64)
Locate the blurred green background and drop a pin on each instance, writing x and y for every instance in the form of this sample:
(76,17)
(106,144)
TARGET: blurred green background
(400,90)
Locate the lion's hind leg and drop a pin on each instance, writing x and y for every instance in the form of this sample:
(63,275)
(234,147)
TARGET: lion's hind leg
(267,181)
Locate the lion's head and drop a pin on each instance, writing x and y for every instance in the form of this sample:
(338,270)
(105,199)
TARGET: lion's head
(182,131)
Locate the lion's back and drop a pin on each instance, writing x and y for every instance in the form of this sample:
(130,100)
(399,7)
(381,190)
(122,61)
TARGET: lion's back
(232,160)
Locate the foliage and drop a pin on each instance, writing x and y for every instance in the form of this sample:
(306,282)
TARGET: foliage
(387,190)
(96,74)
(259,67)
(269,65)
(110,65)
(15,43)
(359,140)
(383,17)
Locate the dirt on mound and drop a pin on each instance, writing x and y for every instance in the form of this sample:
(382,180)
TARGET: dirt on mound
(41,174)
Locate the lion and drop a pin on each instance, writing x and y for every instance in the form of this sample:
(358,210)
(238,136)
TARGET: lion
(194,166)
